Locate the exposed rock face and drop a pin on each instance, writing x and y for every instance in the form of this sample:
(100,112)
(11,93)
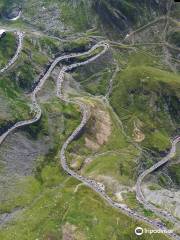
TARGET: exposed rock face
(12,13)
(100,128)
(164,198)
(18,154)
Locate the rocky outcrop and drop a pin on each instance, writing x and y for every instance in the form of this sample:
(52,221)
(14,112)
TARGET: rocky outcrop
(12,13)
(120,16)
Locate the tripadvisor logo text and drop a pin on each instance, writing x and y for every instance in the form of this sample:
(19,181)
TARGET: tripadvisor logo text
(139,231)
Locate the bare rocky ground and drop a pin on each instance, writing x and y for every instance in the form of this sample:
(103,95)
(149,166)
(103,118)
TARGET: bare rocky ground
(18,156)
(70,232)
(165,199)
(17,159)
(18,153)
(5,217)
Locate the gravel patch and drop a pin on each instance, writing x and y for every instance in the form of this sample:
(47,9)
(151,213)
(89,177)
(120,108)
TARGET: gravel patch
(19,153)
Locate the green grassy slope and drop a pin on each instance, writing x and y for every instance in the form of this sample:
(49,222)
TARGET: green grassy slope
(7,48)
(174,169)
(118,166)
(147,97)
(18,80)
(65,119)
(82,208)
(51,199)
(115,162)
(16,105)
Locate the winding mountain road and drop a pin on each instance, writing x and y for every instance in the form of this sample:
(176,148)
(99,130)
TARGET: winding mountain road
(88,182)
(20,36)
(139,194)
(85,116)
(35,106)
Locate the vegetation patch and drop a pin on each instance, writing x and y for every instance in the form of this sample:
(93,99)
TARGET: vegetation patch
(117,166)
(7,48)
(83,209)
(146,97)
(14,106)
(174,38)
(174,171)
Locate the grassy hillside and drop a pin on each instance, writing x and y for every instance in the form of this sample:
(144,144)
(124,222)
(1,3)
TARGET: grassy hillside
(18,80)
(117,17)
(147,98)
(55,17)
(14,106)
(87,216)
(114,18)
(7,48)
(111,148)
(56,205)
(175,173)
